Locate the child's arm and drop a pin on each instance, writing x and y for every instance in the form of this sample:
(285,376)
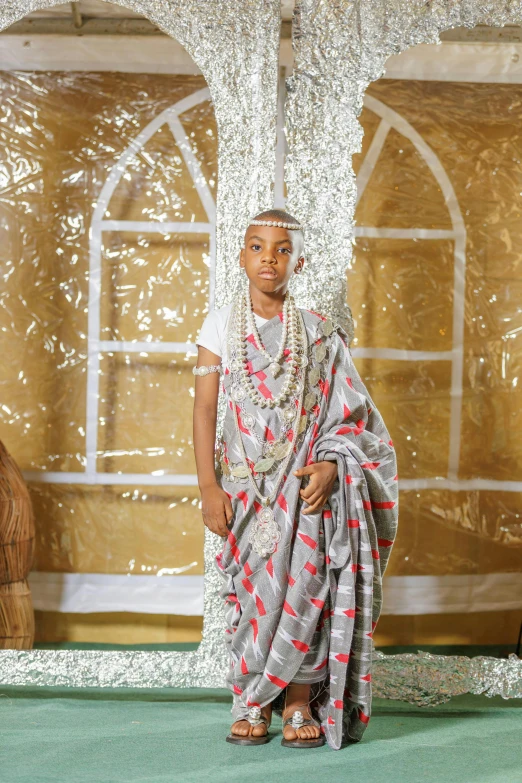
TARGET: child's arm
(216,506)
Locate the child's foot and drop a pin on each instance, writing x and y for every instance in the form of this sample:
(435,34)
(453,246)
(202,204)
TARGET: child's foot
(297,698)
(242,728)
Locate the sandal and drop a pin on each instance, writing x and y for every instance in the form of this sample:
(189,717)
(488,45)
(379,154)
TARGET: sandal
(254,717)
(297,720)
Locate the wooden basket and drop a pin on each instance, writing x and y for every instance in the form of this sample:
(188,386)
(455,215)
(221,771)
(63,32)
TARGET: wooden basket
(16,616)
(16,556)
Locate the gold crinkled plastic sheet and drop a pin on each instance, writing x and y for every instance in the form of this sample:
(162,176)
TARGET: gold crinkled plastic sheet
(340,49)
(154,289)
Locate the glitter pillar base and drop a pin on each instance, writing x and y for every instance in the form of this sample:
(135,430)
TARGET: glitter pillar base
(422,679)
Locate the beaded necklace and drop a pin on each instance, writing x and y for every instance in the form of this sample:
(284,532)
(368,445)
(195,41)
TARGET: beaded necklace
(266,533)
(274,366)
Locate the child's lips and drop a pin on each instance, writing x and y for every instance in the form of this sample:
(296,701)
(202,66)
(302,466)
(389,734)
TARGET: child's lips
(268,274)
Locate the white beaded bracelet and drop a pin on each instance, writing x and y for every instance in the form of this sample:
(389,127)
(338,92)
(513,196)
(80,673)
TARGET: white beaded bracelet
(205,369)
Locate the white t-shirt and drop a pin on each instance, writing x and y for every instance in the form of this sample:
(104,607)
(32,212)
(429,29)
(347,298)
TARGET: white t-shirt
(213,333)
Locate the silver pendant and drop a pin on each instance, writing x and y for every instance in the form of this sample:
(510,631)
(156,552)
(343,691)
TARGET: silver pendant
(309,401)
(238,394)
(320,352)
(328,326)
(275,369)
(314,376)
(265,533)
(249,420)
(282,449)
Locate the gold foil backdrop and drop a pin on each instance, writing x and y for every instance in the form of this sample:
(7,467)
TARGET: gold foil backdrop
(402,295)
(62,134)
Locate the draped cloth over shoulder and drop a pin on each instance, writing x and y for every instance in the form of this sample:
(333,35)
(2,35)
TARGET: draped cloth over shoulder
(307,613)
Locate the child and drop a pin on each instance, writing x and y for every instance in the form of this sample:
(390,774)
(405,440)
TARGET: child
(303,489)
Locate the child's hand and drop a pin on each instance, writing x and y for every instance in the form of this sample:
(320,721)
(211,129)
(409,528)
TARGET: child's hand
(322,478)
(216,509)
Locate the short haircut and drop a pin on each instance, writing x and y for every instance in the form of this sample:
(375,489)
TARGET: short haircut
(285,217)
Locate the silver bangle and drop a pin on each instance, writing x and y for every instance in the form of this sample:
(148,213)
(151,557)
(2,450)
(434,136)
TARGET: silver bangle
(205,369)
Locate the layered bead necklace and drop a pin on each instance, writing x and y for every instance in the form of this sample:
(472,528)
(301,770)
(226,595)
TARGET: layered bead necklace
(274,366)
(266,533)
(293,330)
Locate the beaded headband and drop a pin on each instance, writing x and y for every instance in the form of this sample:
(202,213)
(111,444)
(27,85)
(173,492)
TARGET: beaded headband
(278,223)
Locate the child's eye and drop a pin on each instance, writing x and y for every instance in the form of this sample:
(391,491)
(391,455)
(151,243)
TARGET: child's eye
(255,247)
(284,250)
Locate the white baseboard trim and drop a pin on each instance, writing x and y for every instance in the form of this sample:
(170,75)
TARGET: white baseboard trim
(414,595)
(88,593)
(183,595)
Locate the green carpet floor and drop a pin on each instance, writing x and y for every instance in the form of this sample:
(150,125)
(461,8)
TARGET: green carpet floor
(164,737)
(170,736)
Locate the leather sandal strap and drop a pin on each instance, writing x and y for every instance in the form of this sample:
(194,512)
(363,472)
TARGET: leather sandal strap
(261,719)
(306,722)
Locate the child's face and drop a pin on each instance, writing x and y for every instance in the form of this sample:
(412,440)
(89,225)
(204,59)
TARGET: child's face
(270,257)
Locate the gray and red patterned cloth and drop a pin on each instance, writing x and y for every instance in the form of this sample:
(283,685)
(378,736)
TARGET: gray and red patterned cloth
(307,613)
